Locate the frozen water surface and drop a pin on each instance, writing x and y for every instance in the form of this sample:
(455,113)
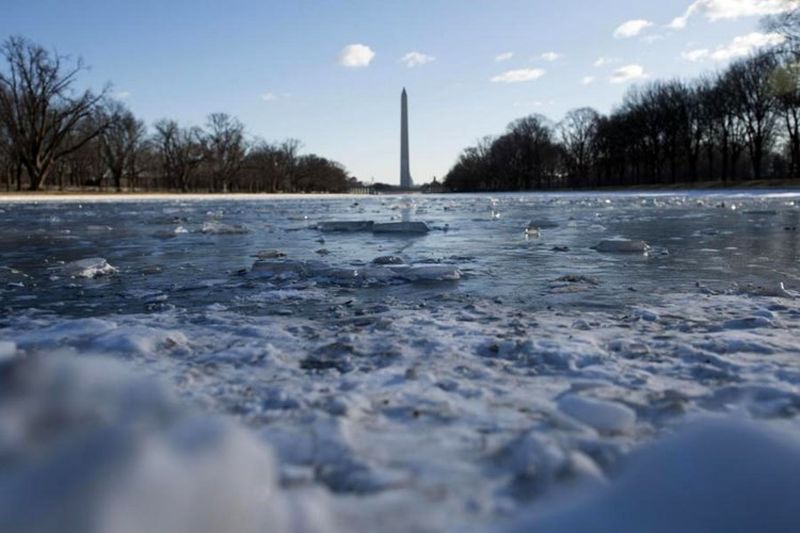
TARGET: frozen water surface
(509,369)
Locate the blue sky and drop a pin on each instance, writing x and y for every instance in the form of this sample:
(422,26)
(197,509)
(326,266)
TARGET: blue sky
(282,67)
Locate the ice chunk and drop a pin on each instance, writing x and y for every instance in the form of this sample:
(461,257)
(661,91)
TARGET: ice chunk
(140,340)
(218,228)
(388,260)
(572,283)
(772,291)
(602,415)
(647,315)
(345,226)
(270,254)
(280,268)
(401,227)
(382,274)
(542,224)
(533,229)
(431,273)
(622,246)
(92,267)
(94,448)
(752,322)
(538,461)
(717,475)
(577,278)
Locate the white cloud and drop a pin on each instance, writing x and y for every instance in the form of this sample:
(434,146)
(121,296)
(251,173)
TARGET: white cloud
(628,73)
(269,97)
(698,54)
(505,56)
(534,103)
(603,61)
(732,9)
(121,95)
(550,56)
(519,75)
(741,46)
(356,56)
(588,80)
(678,23)
(631,28)
(414,59)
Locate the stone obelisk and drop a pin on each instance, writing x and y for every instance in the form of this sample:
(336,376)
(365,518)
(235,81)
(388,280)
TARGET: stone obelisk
(405,173)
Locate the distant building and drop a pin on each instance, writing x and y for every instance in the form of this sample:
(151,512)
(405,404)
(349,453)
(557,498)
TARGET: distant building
(433,187)
(361,189)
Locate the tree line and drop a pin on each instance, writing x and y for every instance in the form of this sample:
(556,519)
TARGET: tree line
(739,124)
(55,136)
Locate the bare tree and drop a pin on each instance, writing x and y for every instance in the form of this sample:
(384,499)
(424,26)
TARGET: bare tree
(181,152)
(788,25)
(7,159)
(315,174)
(286,166)
(40,109)
(226,149)
(751,83)
(577,132)
(786,83)
(83,167)
(532,151)
(120,141)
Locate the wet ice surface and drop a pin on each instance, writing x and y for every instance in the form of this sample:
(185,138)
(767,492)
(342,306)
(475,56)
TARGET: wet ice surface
(506,365)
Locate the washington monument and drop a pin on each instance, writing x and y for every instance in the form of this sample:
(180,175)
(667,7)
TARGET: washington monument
(405,173)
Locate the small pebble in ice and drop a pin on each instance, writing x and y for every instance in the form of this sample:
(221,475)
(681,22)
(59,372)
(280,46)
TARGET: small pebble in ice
(605,416)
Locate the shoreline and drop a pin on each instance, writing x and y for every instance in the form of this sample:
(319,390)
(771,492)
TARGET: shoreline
(50,196)
(785,185)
